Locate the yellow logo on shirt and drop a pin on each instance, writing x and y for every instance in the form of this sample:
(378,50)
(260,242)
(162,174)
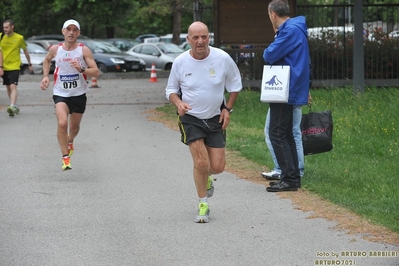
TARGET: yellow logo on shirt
(211,72)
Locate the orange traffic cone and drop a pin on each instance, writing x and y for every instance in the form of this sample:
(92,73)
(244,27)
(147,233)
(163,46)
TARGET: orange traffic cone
(94,83)
(153,77)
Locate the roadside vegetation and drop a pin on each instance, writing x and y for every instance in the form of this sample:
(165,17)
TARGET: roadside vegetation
(360,173)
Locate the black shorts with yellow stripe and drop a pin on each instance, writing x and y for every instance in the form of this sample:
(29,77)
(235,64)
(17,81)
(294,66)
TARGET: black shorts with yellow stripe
(192,128)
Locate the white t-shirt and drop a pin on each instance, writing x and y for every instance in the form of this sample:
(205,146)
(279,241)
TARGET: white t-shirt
(67,80)
(202,83)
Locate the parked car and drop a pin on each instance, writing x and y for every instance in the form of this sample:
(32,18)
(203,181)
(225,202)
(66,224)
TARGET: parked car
(168,38)
(329,33)
(394,34)
(122,44)
(37,55)
(185,46)
(58,37)
(110,59)
(161,54)
(142,37)
(46,44)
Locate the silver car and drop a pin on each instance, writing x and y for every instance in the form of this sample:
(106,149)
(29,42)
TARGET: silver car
(37,54)
(160,54)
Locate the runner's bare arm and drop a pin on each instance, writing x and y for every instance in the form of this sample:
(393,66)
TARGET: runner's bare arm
(46,66)
(92,69)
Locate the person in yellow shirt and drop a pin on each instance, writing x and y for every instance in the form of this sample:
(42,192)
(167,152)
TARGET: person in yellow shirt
(10,45)
(1,64)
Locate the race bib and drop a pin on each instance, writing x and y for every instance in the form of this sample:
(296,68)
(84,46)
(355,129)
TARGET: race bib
(70,82)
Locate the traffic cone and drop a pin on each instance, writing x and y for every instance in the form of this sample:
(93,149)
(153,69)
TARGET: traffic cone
(153,77)
(94,83)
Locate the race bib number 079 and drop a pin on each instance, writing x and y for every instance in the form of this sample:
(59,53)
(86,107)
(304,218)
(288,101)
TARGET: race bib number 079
(71,81)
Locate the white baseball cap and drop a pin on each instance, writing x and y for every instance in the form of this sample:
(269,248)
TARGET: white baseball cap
(71,22)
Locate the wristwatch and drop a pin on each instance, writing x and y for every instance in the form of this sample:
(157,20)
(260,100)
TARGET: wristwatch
(82,69)
(228,109)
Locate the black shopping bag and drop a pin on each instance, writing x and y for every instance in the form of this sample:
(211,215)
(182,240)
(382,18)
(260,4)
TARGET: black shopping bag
(317,131)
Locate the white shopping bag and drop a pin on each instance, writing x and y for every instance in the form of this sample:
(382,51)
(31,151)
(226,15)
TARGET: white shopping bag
(275,84)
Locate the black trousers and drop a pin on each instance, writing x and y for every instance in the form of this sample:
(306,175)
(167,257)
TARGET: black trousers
(282,139)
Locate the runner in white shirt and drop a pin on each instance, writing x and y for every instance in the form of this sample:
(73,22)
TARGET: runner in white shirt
(196,86)
(74,62)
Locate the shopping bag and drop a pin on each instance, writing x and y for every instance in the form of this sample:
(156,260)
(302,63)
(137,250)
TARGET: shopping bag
(317,132)
(275,84)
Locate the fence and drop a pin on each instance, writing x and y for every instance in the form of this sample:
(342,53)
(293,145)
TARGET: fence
(331,35)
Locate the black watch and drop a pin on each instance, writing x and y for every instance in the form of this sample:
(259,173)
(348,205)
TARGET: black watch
(228,109)
(82,69)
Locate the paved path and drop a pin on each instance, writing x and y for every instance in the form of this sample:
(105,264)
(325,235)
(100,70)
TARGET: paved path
(130,197)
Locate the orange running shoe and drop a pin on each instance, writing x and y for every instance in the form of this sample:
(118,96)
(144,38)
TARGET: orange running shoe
(66,163)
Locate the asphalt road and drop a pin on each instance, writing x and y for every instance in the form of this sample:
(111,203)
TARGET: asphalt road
(130,197)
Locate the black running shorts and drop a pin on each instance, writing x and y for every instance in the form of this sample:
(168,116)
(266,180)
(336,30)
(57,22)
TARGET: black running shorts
(76,104)
(192,128)
(11,77)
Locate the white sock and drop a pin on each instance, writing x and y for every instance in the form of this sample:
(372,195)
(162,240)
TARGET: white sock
(205,199)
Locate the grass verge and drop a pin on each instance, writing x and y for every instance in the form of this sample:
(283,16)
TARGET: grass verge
(354,184)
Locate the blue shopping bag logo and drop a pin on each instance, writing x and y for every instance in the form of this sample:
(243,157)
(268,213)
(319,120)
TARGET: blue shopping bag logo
(274,81)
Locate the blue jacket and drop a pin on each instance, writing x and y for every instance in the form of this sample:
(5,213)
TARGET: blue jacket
(290,47)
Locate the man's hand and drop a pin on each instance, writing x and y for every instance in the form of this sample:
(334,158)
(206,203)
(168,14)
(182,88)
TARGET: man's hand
(45,83)
(182,108)
(224,118)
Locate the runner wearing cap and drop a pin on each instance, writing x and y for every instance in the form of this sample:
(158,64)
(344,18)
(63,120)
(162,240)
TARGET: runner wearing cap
(74,62)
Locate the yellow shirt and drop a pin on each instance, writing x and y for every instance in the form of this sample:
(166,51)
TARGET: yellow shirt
(10,47)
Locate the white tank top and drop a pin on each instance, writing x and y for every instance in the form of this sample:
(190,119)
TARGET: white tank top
(67,80)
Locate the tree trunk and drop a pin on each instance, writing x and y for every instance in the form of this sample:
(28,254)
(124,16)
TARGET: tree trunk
(336,13)
(177,14)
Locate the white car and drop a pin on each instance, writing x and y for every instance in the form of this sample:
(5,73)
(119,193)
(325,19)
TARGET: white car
(394,34)
(168,38)
(160,54)
(37,54)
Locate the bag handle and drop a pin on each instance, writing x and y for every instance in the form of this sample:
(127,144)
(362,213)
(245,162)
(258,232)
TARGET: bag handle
(282,66)
(310,107)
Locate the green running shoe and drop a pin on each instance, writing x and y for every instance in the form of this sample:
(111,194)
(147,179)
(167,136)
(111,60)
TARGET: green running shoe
(10,110)
(16,110)
(203,213)
(70,149)
(209,187)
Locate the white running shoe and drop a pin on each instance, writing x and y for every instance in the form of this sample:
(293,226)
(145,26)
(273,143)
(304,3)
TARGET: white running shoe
(273,175)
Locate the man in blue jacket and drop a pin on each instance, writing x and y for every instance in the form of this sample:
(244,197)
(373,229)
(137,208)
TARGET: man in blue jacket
(290,47)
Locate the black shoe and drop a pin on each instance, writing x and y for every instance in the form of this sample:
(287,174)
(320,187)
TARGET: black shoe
(282,186)
(273,183)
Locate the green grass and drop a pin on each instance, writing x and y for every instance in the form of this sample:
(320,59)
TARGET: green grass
(361,173)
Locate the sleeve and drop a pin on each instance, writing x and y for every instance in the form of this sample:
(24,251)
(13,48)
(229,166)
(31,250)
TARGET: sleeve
(23,43)
(233,77)
(173,85)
